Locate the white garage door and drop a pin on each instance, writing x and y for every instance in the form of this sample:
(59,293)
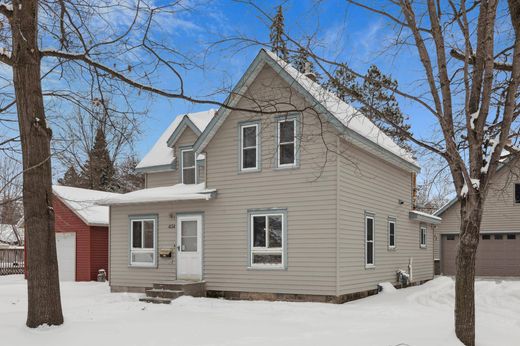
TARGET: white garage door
(66,249)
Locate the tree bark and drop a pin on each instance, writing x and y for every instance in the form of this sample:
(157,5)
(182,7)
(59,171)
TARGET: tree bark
(44,304)
(471,217)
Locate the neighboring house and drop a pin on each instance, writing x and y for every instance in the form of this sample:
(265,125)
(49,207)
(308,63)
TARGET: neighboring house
(498,253)
(309,202)
(81,232)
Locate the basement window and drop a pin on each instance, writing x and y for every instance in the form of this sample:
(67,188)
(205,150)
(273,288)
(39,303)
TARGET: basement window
(511,236)
(143,239)
(450,237)
(498,236)
(486,236)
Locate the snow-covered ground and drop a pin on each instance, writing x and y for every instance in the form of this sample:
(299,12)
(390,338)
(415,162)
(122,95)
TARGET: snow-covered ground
(414,316)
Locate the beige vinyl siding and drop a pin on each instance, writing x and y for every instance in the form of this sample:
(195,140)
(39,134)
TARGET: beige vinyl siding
(158,179)
(308,193)
(367,184)
(500,211)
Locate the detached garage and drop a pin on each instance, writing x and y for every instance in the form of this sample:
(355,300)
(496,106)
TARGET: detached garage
(81,232)
(498,253)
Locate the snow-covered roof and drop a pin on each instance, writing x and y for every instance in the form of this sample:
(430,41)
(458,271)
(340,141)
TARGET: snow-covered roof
(178,192)
(161,156)
(424,217)
(348,115)
(84,203)
(356,127)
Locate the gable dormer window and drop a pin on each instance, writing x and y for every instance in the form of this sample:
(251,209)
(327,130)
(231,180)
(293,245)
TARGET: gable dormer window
(249,151)
(286,142)
(188,166)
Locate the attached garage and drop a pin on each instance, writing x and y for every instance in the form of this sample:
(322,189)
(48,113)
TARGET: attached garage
(498,254)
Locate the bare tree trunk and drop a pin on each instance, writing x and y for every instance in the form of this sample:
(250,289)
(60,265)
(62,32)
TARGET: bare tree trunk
(471,216)
(42,281)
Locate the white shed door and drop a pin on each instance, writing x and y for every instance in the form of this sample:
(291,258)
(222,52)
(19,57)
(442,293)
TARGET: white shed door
(66,250)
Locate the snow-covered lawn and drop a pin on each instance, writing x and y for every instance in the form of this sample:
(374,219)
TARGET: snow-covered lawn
(414,316)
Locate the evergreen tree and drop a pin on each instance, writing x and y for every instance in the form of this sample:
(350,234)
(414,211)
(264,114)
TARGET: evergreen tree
(373,98)
(99,168)
(128,179)
(72,178)
(276,36)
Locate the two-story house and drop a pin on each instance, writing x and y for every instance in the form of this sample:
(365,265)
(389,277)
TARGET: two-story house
(305,199)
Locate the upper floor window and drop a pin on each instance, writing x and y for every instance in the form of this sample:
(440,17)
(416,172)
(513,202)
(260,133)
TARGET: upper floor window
(249,147)
(369,240)
(391,233)
(286,142)
(143,234)
(517,193)
(188,166)
(422,237)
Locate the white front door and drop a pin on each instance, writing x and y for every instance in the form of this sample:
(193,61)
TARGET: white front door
(66,252)
(189,247)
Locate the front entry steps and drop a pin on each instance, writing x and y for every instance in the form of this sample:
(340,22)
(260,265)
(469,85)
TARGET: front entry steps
(164,293)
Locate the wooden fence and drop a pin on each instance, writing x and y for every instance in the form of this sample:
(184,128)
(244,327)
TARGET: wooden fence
(11,261)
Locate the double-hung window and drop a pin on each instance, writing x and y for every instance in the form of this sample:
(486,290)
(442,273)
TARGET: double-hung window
(143,238)
(422,237)
(249,147)
(391,234)
(369,240)
(267,240)
(286,142)
(188,170)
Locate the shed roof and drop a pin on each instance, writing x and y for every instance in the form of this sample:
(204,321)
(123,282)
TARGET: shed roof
(83,202)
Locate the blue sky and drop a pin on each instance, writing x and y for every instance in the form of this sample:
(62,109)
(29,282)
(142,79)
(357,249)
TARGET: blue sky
(342,31)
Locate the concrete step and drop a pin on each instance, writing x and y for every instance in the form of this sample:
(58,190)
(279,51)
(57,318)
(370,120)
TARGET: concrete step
(155,300)
(163,293)
(189,288)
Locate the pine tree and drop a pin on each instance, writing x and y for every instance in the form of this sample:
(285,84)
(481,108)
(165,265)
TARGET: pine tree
(99,168)
(373,98)
(278,42)
(128,179)
(72,178)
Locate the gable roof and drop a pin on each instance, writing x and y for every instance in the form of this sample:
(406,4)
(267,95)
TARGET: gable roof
(83,203)
(352,124)
(162,156)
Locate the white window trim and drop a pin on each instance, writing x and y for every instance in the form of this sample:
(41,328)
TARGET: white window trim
(391,221)
(194,165)
(423,231)
(266,249)
(373,241)
(279,143)
(242,148)
(153,250)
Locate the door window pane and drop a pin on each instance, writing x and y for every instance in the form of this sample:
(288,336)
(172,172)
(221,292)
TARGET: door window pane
(258,231)
(136,234)
(148,234)
(189,236)
(275,231)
